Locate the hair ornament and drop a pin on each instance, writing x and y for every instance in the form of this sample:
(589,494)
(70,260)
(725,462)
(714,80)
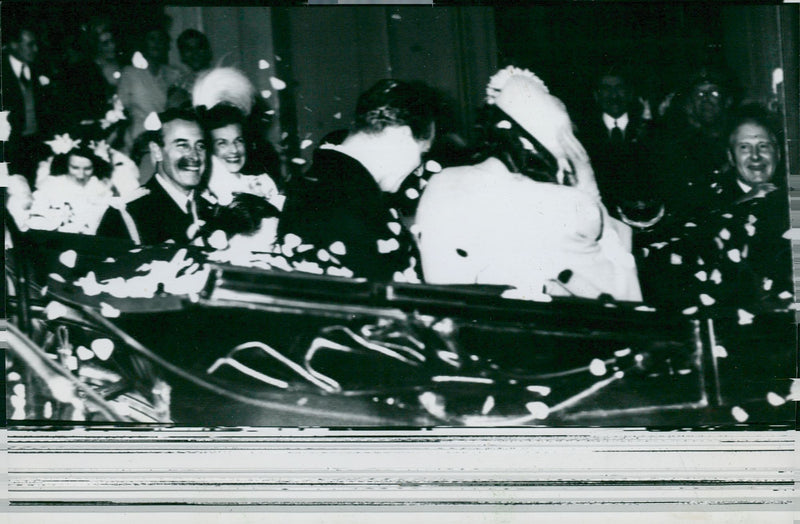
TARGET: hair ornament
(498,82)
(63,144)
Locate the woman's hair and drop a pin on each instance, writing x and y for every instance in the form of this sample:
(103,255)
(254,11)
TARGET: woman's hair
(395,103)
(221,115)
(242,216)
(60,165)
(507,141)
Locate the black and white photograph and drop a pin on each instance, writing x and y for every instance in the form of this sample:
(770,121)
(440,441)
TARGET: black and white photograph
(425,258)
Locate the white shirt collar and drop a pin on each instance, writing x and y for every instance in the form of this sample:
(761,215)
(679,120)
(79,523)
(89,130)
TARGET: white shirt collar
(18,66)
(610,121)
(181,199)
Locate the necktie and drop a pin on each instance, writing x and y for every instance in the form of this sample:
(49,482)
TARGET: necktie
(616,135)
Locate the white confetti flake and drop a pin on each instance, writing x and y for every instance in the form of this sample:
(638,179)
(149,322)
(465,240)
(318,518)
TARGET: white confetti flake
(659,245)
(303,401)
(263,64)
(785,295)
(68,258)
(745,317)
(727,215)
(684,371)
(412,193)
(139,61)
(110,260)
(690,310)
(539,410)
(432,166)
(433,403)
(43,80)
(306,143)
(387,246)
(394,213)
(690,224)
(504,124)
(702,276)
(323,255)
(394,227)
(55,310)
(597,367)
(108,310)
(735,255)
(266,93)
(719,351)
(218,240)
(302,248)
(299,161)
(488,405)
(622,352)
(103,347)
(292,241)
(337,116)
(396,17)
(751,229)
(716,276)
(720,244)
(276,83)
(775,400)
(338,248)
(706,300)
(526,144)
(675,259)
(767,284)
(85,353)
(152,122)
(14,376)
(308,267)
(339,272)
(541,390)
(644,308)
(739,414)
(724,234)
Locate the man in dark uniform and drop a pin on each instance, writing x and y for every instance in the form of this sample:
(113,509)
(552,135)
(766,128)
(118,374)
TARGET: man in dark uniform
(170,202)
(340,206)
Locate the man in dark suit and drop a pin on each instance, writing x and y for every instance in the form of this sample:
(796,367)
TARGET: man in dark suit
(615,137)
(24,98)
(170,203)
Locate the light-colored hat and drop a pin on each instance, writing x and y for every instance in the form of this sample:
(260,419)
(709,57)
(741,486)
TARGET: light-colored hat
(524,97)
(224,85)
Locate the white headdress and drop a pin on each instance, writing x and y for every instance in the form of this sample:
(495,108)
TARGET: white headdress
(224,84)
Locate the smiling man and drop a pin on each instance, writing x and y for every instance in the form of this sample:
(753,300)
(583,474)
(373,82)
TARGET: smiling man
(169,203)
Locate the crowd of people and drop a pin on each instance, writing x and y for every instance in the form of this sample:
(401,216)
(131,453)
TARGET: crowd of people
(679,205)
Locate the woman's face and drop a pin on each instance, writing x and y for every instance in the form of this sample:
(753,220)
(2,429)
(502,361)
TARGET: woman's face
(106,46)
(228,144)
(80,168)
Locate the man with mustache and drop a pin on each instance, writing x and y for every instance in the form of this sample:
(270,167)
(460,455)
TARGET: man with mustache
(169,204)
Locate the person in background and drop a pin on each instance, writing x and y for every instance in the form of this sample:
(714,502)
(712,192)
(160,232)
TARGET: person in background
(195,52)
(144,84)
(340,206)
(528,214)
(170,206)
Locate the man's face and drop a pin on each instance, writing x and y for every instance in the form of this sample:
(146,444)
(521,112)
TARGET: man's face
(183,158)
(195,54)
(613,96)
(753,153)
(707,103)
(156,47)
(26,49)
(228,145)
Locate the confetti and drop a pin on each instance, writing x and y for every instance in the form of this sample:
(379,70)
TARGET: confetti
(622,352)
(659,245)
(745,317)
(504,124)
(690,310)
(767,284)
(339,272)
(412,193)
(690,224)
(276,83)
(488,405)
(724,234)
(152,122)
(387,246)
(675,259)
(337,116)
(323,255)
(85,353)
(14,376)
(103,347)
(306,143)
(55,310)
(702,276)
(396,17)
(526,144)
(739,414)
(139,61)
(68,258)
(751,229)
(263,64)
(298,161)
(785,295)
(706,299)
(684,371)
(43,80)
(108,310)
(597,367)
(432,166)
(539,410)
(394,213)
(292,241)
(735,255)
(433,403)
(308,267)
(775,399)
(644,308)
(716,276)
(727,215)
(338,248)
(302,248)
(218,240)
(266,93)
(720,244)
(719,351)
(394,227)
(541,390)
(303,401)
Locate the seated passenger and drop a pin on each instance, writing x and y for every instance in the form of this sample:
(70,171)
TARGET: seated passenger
(233,169)
(169,203)
(530,211)
(249,222)
(340,206)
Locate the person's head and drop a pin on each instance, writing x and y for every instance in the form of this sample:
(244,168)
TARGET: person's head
(155,45)
(249,222)
(80,164)
(225,126)
(753,151)
(400,114)
(22,42)
(709,99)
(100,41)
(613,95)
(179,150)
(194,49)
